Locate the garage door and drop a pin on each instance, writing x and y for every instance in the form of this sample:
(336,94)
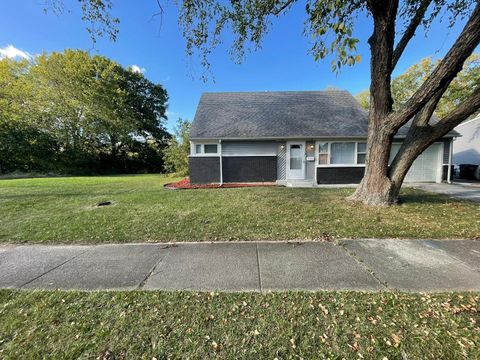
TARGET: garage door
(427,167)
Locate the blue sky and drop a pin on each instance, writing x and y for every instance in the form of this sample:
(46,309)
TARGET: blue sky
(283,63)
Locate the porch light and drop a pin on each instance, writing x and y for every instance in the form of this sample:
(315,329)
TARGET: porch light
(282,147)
(312,146)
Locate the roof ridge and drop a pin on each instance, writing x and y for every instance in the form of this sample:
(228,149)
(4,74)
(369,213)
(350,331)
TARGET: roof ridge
(279,91)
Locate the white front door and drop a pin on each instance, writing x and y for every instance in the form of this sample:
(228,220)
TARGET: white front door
(296,160)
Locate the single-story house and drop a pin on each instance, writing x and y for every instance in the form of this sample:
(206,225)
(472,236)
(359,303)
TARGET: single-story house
(466,149)
(292,137)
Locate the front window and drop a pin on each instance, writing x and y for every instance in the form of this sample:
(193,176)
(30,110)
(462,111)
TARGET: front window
(342,153)
(210,148)
(206,149)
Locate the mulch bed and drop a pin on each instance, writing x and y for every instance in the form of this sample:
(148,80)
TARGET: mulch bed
(185,184)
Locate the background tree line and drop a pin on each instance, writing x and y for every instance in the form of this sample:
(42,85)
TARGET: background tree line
(74,113)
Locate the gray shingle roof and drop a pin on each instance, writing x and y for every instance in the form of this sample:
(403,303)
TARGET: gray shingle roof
(285,114)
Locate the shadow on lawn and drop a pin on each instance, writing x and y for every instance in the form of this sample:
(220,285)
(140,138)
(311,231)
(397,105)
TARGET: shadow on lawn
(426,198)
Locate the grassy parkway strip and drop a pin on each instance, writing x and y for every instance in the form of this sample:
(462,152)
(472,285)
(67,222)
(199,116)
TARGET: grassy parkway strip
(147,325)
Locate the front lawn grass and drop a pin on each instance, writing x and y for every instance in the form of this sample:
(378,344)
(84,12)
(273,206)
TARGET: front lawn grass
(173,325)
(62,210)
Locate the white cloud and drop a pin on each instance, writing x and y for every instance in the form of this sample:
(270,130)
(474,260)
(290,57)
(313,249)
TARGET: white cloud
(138,69)
(11,52)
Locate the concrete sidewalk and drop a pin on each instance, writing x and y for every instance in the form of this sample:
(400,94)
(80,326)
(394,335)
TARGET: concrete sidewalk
(369,265)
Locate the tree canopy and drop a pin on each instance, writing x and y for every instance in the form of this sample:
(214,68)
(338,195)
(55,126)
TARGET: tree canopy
(93,114)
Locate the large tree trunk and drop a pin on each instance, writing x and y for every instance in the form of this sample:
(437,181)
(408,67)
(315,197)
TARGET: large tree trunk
(381,184)
(375,187)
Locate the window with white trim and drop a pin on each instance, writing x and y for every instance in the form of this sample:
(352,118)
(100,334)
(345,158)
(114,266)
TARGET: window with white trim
(210,148)
(361,152)
(206,149)
(323,153)
(341,153)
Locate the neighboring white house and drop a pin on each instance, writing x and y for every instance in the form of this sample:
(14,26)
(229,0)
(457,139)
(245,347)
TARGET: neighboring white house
(466,148)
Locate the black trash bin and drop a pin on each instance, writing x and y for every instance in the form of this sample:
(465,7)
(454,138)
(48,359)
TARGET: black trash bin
(467,171)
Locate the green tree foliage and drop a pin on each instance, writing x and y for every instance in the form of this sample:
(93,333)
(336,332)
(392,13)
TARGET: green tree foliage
(460,89)
(405,85)
(23,146)
(178,150)
(363,97)
(92,114)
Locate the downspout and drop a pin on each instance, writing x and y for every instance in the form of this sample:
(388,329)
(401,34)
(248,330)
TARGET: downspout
(221,163)
(449,170)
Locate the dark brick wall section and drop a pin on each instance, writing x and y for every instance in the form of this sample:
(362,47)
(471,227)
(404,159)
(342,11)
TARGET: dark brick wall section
(249,168)
(339,175)
(204,169)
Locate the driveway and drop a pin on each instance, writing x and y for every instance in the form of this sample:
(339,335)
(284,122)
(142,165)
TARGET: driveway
(460,190)
(365,265)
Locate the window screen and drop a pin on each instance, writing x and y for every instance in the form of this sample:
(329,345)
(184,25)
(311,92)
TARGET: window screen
(342,153)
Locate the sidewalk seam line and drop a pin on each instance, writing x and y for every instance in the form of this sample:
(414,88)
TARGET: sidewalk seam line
(364,265)
(152,270)
(54,268)
(258,269)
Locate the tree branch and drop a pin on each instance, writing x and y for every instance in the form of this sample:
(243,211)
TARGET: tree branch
(423,117)
(457,116)
(421,137)
(443,74)
(283,7)
(159,13)
(410,31)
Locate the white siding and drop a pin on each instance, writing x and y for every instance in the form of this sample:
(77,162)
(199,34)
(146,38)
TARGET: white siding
(282,161)
(466,149)
(249,148)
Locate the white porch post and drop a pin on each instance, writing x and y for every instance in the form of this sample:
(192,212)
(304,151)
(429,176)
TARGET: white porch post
(221,162)
(449,170)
